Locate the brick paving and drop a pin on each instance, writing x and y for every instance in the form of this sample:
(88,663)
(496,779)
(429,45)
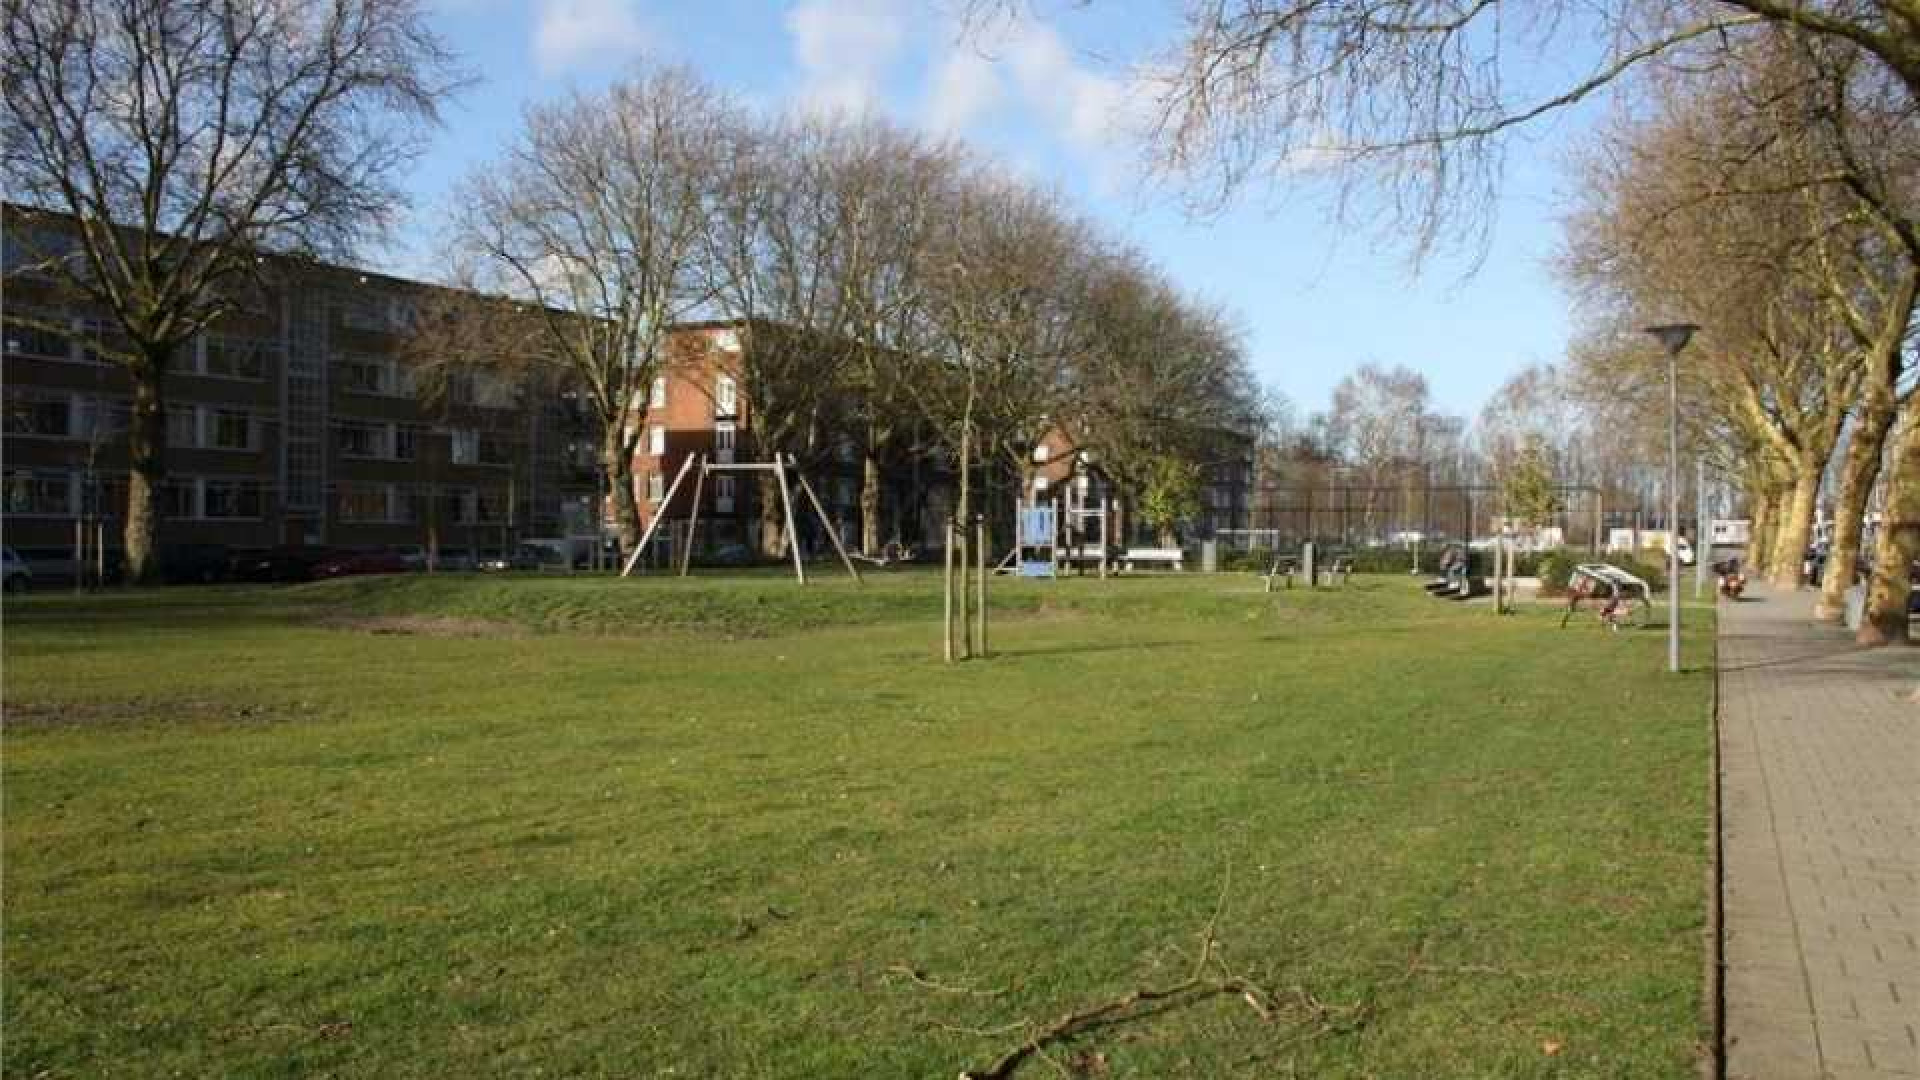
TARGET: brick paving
(1820,842)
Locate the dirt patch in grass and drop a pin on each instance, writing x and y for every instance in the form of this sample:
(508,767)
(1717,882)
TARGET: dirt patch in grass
(28,716)
(442,626)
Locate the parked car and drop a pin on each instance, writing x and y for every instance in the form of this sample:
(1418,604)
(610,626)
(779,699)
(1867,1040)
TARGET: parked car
(18,575)
(413,555)
(278,565)
(355,563)
(726,555)
(194,564)
(523,557)
(456,560)
(54,565)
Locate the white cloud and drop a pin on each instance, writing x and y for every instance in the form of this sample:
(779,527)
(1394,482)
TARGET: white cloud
(966,85)
(575,33)
(1090,110)
(843,49)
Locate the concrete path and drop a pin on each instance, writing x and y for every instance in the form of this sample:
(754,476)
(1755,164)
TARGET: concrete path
(1820,838)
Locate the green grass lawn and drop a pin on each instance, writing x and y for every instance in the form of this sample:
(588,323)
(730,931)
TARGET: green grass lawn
(571,827)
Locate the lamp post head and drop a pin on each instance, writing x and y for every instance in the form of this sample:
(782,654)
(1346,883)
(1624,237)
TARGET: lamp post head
(1673,336)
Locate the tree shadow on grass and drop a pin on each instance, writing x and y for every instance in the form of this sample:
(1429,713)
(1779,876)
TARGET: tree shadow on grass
(1072,649)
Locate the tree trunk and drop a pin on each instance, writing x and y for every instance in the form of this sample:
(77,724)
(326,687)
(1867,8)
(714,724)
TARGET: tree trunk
(1898,545)
(772,515)
(1760,528)
(1857,473)
(1874,418)
(147,462)
(1796,526)
(870,506)
(617,458)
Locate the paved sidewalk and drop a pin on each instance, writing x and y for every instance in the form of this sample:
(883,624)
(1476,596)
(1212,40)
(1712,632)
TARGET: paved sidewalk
(1820,838)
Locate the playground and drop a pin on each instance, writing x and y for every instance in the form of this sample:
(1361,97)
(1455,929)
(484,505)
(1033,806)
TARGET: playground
(732,826)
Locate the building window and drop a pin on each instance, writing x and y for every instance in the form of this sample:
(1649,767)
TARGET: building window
(359,311)
(363,375)
(727,340)
(232,498)
(35,341)
(725,396)
(180,498)
(1041,453)
(656,487)
(410,506)
(233,358)
(657,440)
(361,440)
(479,388)
(723,494)
(183,426)
(1040,484)
(109,495)
(658,399)
(44,492)
(363,505)
(104,338)
(494,450)
(490,507)
(466,446)
(401,314)
(97,419)
(43,417)
(723,442)
(456,506)
(406,443)
(232,429)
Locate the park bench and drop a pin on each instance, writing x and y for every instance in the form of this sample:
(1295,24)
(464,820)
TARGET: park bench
(1171,558)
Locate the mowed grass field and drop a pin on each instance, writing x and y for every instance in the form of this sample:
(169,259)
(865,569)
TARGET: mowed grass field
(733,828)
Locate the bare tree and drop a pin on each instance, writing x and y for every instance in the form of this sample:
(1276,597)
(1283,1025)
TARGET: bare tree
(596,218)
(888,185)
(1408,103)
(160,150)
(818,236)
(1887,619)
(1376,424)
(1766,200)
(1158,379)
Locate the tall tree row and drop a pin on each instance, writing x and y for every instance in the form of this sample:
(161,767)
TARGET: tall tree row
(892,294)
(1771,200)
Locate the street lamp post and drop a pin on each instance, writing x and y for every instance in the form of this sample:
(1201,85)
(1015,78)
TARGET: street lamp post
(1673,337)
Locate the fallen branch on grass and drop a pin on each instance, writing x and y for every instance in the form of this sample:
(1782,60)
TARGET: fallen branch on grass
(1211,978)
(921,978)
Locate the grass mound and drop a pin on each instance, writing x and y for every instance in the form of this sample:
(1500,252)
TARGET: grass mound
(768,606)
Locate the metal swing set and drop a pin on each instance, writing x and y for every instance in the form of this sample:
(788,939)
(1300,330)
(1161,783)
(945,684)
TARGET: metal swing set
(782,467)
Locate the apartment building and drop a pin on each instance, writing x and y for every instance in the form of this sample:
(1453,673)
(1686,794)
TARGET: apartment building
(296,423)
(702,403)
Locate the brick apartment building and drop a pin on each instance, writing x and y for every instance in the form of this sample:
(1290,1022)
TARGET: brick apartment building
(298,424)
(295,424)
(702,403)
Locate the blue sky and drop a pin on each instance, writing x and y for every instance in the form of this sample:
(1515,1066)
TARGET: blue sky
(1049,99)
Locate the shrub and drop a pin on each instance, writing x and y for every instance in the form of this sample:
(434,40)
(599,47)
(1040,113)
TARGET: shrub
(1256,560)
(1556,568)
(1394,560)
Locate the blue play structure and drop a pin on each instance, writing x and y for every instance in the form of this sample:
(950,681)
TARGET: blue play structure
(1039,531)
